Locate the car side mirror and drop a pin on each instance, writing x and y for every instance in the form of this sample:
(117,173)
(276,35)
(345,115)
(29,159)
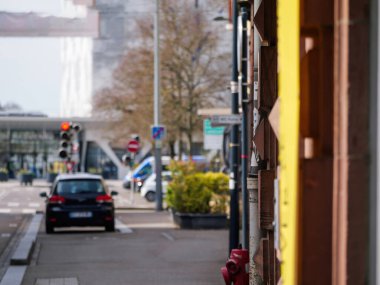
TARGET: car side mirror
(43,194)
(114,193)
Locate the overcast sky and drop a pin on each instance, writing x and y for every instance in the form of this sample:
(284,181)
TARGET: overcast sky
(30,69)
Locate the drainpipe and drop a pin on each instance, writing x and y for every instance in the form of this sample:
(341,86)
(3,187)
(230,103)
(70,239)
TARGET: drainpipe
(252,183)
(244,130)
(234,144)
(374,202)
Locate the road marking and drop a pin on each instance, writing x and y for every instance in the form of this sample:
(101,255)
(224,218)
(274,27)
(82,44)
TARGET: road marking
(5,235)
(3,194)
(4,211)
(168,236)
(13,204)
(14,275)
(168,225)
(122,228)
(34,205)
(136,211)
(57,281)
(28,211)
(13,225)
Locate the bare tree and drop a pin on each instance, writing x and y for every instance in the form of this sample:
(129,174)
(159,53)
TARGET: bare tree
(10,106)
(194,72)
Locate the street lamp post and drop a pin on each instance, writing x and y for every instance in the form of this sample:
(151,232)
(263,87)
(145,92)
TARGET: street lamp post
(158,143)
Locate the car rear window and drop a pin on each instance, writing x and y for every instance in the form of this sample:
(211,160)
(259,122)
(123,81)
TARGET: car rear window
(77,186)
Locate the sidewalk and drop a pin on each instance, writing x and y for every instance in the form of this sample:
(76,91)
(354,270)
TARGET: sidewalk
(127,199)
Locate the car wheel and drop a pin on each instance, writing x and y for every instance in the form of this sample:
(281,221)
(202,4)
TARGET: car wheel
(110,227)
(49,228)
(150,196)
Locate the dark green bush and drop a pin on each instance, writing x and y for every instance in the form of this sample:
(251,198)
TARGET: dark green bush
(194,192)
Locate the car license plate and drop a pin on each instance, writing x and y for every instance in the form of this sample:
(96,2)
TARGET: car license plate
(80,215)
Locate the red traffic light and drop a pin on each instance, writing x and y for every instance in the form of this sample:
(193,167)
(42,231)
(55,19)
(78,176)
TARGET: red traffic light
(65,126)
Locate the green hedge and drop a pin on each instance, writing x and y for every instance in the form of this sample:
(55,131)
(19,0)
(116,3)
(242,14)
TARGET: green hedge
(194,192)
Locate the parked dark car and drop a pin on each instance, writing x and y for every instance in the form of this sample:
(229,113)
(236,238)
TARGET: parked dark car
(77,200)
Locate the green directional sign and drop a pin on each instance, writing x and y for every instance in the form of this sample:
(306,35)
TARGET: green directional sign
(209,130)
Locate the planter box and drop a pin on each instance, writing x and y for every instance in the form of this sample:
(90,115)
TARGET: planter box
(51,177)
(3,176)
(200,221)
(26,179)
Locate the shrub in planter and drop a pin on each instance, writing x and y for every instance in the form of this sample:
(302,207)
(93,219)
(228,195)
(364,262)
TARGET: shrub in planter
(3,174)
(198,200)
(25,177)
(190,194)
(218,183)
(51,176)
(94,170)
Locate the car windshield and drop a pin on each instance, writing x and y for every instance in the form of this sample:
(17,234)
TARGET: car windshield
(72,187)
(146,170)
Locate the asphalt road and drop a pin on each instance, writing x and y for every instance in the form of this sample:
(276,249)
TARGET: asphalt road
(146,249)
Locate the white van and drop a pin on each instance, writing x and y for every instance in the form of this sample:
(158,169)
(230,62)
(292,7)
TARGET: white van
(144,170)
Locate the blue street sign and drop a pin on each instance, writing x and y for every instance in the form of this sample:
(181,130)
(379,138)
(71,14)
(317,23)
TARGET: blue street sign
(158,132)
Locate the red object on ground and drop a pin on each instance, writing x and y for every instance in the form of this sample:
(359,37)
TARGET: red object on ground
(235,270)
(133,146)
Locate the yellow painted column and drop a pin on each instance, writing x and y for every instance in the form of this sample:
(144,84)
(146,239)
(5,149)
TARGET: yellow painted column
(289,88)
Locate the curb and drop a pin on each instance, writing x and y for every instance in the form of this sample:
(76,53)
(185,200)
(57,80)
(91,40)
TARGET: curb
(24,250)
(134,208)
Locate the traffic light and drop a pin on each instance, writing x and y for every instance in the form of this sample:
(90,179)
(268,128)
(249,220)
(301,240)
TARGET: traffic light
(135,137)
(127,160)
(65,143)
(76,127)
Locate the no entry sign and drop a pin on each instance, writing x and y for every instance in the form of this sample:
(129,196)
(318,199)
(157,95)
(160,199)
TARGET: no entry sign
(133,146)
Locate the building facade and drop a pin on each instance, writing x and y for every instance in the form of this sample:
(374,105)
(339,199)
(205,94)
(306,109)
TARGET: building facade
(77,71)
(317,142)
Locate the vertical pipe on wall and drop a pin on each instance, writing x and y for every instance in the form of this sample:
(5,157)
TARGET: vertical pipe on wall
(234,144)
(288,15)
(244,131)
(374,234)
